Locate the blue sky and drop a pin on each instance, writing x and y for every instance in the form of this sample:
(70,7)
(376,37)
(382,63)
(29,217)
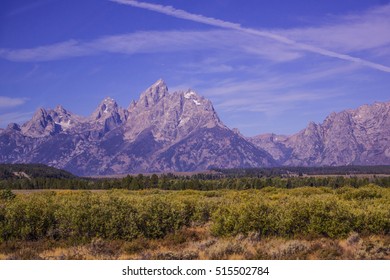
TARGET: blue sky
(267,66)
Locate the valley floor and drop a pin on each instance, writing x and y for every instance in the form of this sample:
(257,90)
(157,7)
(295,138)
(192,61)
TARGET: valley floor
(197,244)
(269,223)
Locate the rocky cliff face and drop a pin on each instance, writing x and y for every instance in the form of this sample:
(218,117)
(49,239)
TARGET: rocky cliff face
(351,137)
(169,117)
(181,131)
(161,131)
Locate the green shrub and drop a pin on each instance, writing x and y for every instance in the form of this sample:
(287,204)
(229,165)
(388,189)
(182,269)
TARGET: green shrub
(159,217)
(330,218)
(367,192)
(128,215)
(232,219)
(29,219)
(7,194)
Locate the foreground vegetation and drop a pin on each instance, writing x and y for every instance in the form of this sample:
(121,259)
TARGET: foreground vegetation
(197,243)
(136,224)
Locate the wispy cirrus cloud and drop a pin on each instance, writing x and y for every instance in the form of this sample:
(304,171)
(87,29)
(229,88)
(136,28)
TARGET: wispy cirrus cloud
(8,102)
(71,48)
(350,33)
(154,42)
(27,7)
(171,11)
(275,93)
(14,117)
(269,81)
(271,104)
(345,34)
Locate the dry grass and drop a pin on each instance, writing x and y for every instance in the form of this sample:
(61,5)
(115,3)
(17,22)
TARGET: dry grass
(197,243)
(198,225)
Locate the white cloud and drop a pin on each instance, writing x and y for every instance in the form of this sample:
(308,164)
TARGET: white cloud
(14,117)
(7,102)
(153,41)
(168,10)
(171,11)
(26,8)
(269,81)
(367,31)
(156,42)
(273,103)
(275,93)
(71,48)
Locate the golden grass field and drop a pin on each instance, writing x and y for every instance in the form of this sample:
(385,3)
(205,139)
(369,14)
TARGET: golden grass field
(270,223)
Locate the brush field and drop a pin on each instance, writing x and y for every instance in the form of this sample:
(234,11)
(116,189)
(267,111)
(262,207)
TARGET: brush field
(267,223)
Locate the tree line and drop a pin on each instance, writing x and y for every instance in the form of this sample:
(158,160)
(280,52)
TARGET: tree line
(172,182)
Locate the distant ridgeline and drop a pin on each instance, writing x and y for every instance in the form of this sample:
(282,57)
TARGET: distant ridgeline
(30,171)
(39,176)
(180,131)
(300,171)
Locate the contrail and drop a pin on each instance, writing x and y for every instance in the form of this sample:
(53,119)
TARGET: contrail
(171,11)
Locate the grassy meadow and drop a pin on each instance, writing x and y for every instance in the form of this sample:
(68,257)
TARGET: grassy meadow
(267,223)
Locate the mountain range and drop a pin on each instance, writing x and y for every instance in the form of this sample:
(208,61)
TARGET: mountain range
(181,131)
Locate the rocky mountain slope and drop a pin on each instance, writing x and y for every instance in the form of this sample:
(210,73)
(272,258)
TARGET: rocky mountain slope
(351,137)
(161,131)
(181,131)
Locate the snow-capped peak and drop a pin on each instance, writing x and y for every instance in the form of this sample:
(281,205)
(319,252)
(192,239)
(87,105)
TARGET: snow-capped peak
(190,94)
(106,107)
(108,100)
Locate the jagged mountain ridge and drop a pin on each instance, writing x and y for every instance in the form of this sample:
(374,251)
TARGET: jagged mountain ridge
(181,131)
(350,137)
(161,131)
